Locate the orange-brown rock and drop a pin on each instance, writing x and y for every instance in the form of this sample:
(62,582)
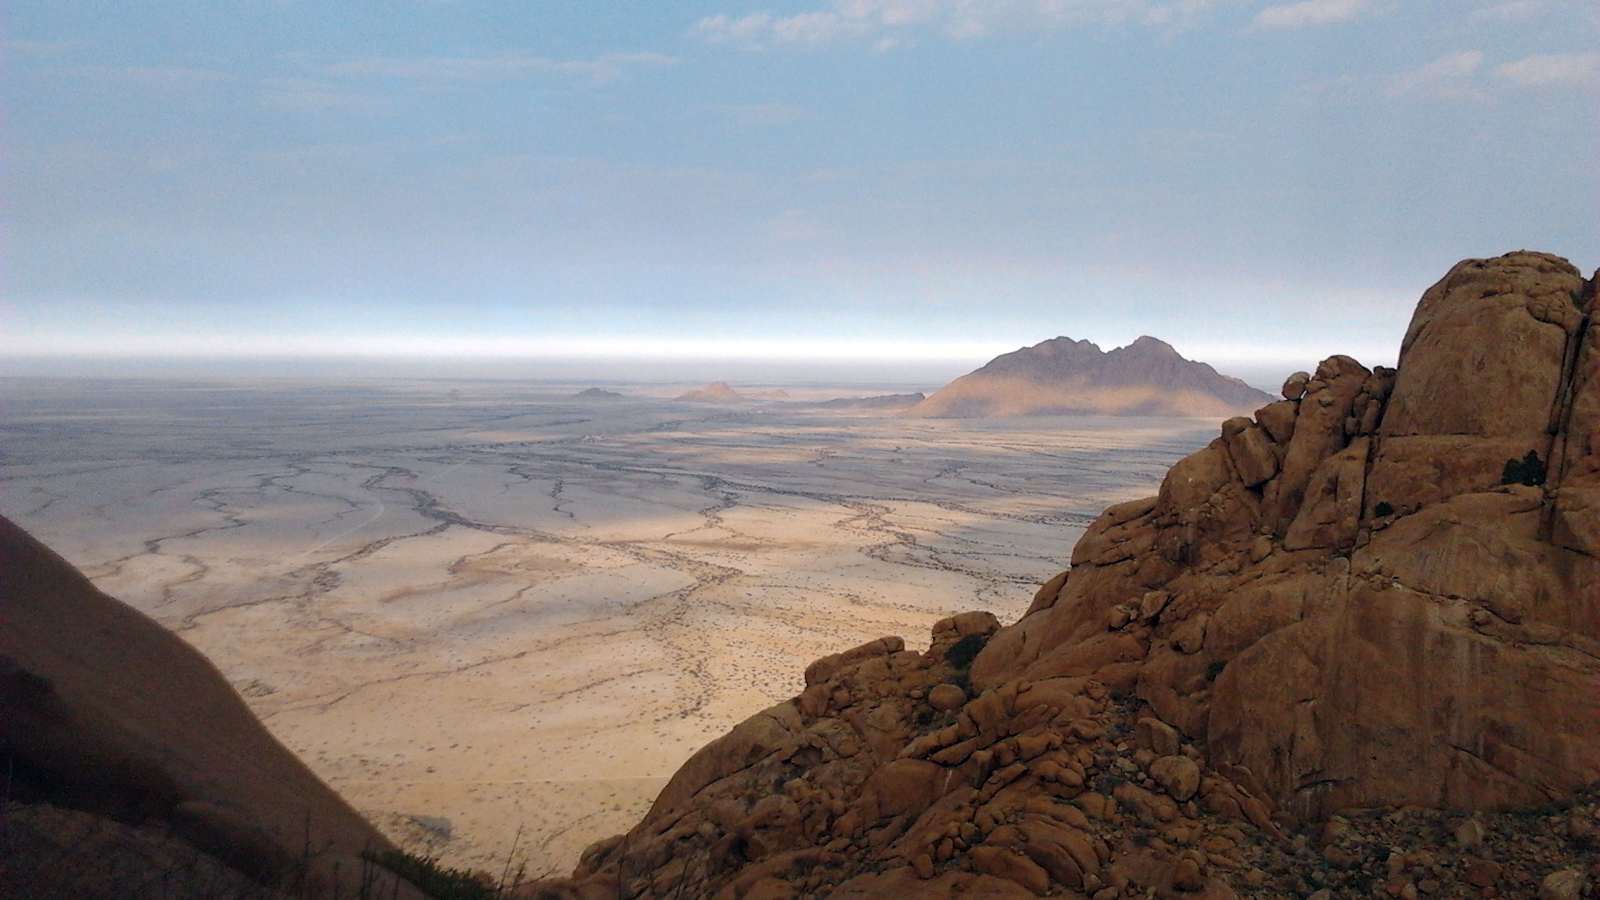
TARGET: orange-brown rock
(1350,602)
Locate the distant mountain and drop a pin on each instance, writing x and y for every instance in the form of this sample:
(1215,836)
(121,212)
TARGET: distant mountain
(1062,376)
(598,394)
(715,392)
(882,401)
(720,392)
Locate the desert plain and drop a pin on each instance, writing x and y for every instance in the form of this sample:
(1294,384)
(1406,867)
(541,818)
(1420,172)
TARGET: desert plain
(496,618)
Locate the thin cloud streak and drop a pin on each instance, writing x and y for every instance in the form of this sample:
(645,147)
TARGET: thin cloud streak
(1552,69)
(1310,13)
(887,23)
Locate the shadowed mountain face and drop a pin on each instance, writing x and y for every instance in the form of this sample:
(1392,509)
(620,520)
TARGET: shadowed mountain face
(1063,376)
(106,713)
(1369,614)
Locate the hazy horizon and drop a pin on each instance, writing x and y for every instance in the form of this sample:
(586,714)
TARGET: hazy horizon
(909,373)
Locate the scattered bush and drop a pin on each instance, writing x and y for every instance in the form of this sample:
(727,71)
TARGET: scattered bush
(1384,508)
(1215,669)
(1527,470)
(437,881)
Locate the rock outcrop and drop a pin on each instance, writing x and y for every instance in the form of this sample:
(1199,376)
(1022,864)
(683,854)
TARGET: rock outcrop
(1063,376)
(1382,591)
(132,768)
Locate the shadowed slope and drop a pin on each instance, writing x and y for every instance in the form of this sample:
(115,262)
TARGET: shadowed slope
(103,710)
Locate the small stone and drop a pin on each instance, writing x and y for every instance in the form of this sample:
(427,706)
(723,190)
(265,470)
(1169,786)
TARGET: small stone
(947,697)
(1152,604)
(1161,738)
(1338,856)
(923,865)
(1336,830)
(1186,875)
(1563,884)
(1480,872)
(1177,775)
(1260,548)
(1469,833)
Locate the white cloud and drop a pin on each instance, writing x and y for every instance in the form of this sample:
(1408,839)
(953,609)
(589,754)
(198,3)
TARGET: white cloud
(1308,13)
(606,67)
(1552,69)
(888,23)
(1448,77)
(1513,11)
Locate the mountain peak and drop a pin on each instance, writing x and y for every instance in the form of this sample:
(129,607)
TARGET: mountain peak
(1146,342)
(1065,375)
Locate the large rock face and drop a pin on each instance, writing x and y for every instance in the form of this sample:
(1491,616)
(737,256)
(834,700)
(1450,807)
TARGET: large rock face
(105,712)
(1062,376)
(1370,595)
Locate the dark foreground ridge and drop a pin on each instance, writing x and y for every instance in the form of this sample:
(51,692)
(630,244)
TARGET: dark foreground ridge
(132,769)
(1352,648)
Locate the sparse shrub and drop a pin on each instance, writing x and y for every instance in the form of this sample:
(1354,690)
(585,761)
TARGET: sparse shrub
(1215,669)
(1528,470)
(1384,508)
(437,881)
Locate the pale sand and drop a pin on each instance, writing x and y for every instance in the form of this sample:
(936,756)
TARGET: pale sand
(479,607)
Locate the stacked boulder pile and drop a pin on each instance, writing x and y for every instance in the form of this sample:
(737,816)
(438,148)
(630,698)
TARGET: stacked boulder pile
(1351,648)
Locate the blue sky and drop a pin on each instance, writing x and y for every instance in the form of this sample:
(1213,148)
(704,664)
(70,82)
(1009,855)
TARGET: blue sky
(849,180)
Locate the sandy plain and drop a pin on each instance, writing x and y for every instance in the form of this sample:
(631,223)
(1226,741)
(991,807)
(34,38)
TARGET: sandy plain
(494,617)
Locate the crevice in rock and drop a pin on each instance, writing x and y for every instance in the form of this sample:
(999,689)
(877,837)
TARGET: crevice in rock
(1558,456)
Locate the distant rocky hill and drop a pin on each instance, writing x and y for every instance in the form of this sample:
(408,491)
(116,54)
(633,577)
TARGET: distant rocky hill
(1350,649)
(721,392)
(715,392)
(1062,376)
(133,769)
(881,401)
(595,393)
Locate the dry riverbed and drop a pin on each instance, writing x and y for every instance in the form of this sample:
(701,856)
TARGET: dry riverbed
(483,608)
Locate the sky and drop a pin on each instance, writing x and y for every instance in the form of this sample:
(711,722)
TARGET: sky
(863,186)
